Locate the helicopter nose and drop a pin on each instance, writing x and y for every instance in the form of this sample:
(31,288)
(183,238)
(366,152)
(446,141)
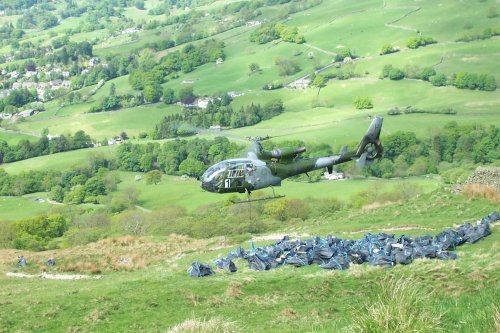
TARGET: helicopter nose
(208,186)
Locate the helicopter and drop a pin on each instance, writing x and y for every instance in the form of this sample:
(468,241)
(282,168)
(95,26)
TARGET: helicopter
(268,168)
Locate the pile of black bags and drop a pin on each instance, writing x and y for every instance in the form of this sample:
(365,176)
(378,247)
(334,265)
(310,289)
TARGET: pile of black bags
(331,252)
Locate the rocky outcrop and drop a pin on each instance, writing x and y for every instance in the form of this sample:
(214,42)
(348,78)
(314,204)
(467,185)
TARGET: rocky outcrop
(489,176)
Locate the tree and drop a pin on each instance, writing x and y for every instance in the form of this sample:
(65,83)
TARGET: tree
(95,187)
(168,96)
(57,193)
(387,48)
(319,81)
(254,68)
(112,90)
(396,74)
(139,4)
(153,177)
(344,53)
(152,92)
(186,93)
(192,167)
(287,66)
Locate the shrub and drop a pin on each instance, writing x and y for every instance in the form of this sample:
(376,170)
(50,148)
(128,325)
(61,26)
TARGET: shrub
(387,49)
(416,42)
(402,306)
(35,233)
(438,80)
(363,103)
(396,74)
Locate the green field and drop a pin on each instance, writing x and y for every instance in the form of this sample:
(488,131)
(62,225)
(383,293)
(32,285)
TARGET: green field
(17,208)
(174,190)
(60,161)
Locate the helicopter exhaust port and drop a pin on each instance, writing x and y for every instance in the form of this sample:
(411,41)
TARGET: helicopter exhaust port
(287,152)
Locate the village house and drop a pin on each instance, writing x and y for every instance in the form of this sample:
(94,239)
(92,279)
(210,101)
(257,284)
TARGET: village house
(94,61)
(234,94)
(253,23)
(29,74)
(129,31)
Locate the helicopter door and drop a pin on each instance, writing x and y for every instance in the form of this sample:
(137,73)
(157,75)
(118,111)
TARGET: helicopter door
(235,177)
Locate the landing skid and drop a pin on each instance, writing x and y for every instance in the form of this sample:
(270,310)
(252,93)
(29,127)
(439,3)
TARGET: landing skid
(255,200)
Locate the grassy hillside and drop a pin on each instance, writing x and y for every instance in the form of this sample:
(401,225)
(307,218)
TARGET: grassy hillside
(137,267)
(328,27)
(459,296)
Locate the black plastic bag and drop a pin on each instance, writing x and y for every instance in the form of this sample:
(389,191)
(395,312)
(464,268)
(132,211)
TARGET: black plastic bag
(337,262)
(199,269)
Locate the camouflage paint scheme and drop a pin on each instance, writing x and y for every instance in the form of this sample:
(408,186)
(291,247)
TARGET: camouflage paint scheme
(264,168)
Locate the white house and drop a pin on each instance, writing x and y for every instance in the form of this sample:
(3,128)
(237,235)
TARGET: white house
(334,175)
(300,83)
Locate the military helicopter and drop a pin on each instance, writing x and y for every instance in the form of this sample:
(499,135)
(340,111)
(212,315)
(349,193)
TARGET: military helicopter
(263,168)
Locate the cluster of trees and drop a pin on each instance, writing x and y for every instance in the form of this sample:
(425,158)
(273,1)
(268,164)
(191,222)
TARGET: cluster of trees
(25,149)
(36,18)
(149,75)
(116,67)
(454,145)
(363,103)
(218,112)
(190,157)
(286,66)
(344,53)
(16,99)
(485,34)
(27,182)
(461,80)
(7,32)
(17,4)
(253,114)
(416,42)
(473,81)
(36,233)
(272,31)
(85,185)
(114,101)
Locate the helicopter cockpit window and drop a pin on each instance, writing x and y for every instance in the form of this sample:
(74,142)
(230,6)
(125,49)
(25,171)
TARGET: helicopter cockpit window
(213,170)
(237,169)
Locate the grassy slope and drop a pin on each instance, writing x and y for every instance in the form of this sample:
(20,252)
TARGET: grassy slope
(285,299)
(61,161)
(17,208)
(328,26)
(187,193)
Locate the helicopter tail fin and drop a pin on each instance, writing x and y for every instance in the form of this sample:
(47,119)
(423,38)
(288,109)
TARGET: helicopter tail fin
(370,146)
